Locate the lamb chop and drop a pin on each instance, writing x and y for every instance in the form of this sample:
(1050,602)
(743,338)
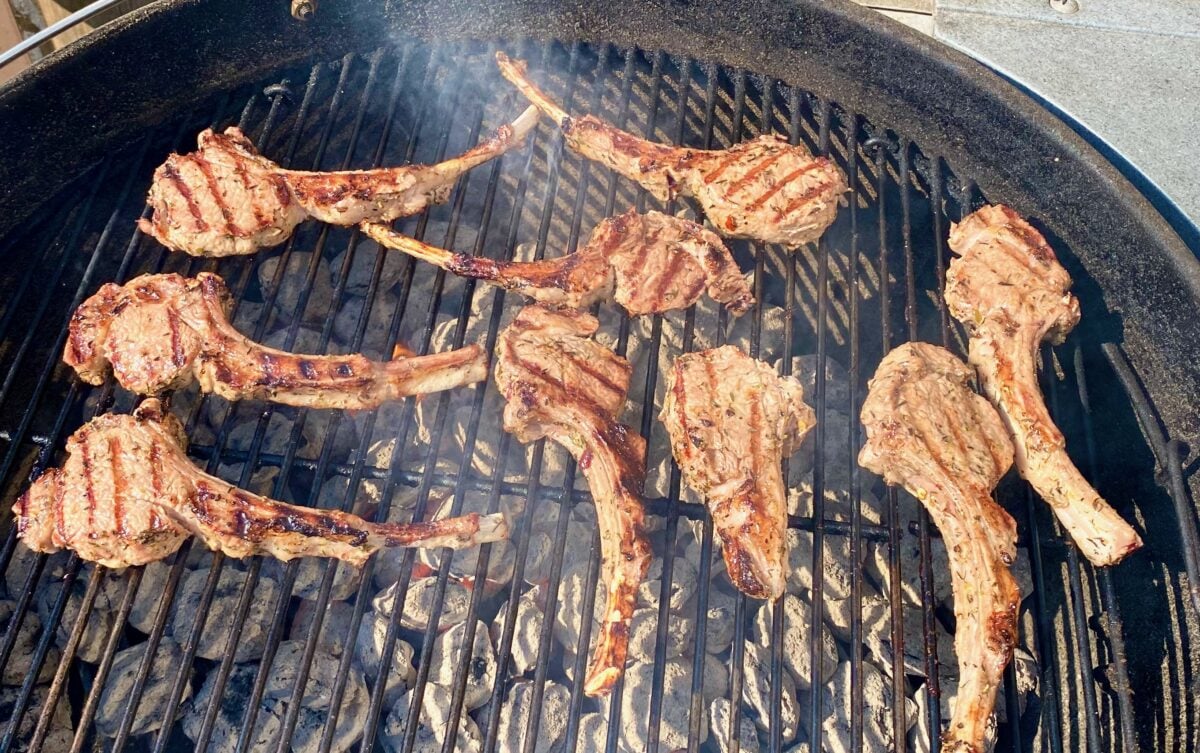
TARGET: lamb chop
(658,262)
(128,495)
(1009,290)
(160,332)
(731,419)
(560,385)
(930,433)
(765,188)
(226,199)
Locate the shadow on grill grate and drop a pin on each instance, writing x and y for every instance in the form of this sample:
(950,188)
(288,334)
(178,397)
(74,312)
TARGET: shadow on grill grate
(483,650)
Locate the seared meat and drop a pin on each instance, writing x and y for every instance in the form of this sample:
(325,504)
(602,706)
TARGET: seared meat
(658,262)
(731,420)
(928,432)
(226,199)
(162,331)
(764,189)
(127,495)
(1011,293)
(563,386)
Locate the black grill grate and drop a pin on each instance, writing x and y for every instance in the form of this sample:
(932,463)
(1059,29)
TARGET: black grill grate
(872,282)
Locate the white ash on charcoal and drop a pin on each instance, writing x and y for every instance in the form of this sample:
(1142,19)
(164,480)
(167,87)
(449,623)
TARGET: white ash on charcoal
(676,707)
(719,624)
(214,638)
(756,691)
(368,648)
(797,641)
(149,594)
(581,537)
(317,697)
(873,612)
(118,688)
(593,733)
(880,644)
(367,495)
(837,458)
(572,604)
(448,657)
(432,724)
(419,604)
(836,485)
(348,318)
(60,732)
(464,563)
(740,332)
(20,661)
(293,282)
(335,625)
(311,723)
(876,711)
(643,635)
(234,704)
(514,717)
(310,572)
(720,722)
(837,381)
(363,265)
(527,631)
(836,561)
(285,669)
(307,339)
(692,533)
(682,589)
(99,620)
(716,678)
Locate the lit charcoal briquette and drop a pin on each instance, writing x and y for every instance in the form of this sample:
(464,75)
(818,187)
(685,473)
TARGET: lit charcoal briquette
(99,620)
(676,706)
(293,283)
(514,717)
(149,594)
(873,611)
(572,606)
(351,720)
(285,668)
(720,719)
(876,710)
(837,381)
(716,677)
(481,663)
(214,639)
(683,584)
(464,563)
(756,691)
(419,604)
(335,625)
(20,661)
(310,571)
(59,734)
(527,631)
(119,685)
(643,634)
(231,714)
(593,732)
(836,560)
(432,725)
(369,647)
(797,641)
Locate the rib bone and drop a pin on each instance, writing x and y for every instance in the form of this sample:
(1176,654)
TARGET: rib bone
(162,331)
(764,188)
(127,494)
(226,198)
(1011,293)
(930,433)
(563,386)
(657,262)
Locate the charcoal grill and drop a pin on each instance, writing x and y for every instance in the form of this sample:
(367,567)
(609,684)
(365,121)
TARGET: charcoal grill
(924,137)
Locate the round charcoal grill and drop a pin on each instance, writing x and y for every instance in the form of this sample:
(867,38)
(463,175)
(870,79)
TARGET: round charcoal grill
(481,651)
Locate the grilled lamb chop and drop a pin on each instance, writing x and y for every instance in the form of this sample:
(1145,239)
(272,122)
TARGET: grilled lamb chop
(764,188)
(1011,293)
(930,433)
(226,198)
(127,495)
(731,419)
(162,331)
(563,386)
(659,263)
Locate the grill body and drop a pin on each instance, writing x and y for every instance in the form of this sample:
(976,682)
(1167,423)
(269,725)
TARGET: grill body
(366,83)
